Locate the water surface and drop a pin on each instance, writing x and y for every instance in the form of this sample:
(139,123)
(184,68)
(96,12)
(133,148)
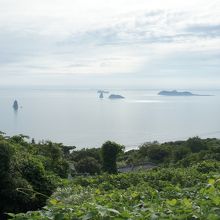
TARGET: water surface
(80,118)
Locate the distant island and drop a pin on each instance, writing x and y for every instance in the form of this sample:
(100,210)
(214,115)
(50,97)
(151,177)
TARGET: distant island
(103,91)
(113,96)
(176,93)
(15,105)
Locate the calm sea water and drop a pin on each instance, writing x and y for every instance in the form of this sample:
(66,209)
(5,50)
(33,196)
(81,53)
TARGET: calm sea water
(80,118)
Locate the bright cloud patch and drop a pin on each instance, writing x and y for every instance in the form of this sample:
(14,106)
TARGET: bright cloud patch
(129,41)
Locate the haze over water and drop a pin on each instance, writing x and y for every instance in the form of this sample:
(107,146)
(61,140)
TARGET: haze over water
(53,45)
(80,118)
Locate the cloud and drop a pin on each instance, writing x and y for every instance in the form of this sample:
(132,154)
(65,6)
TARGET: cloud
(129,38)
(148,27)
(208,30)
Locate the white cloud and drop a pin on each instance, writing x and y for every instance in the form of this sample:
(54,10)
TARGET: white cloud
(139,37)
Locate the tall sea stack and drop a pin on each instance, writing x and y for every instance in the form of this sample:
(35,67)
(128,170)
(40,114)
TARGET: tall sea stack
(15,105)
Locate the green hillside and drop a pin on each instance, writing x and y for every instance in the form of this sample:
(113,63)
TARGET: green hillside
(163,193)
(48,180)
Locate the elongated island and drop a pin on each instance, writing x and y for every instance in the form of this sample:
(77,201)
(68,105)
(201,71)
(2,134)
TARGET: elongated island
(176,93)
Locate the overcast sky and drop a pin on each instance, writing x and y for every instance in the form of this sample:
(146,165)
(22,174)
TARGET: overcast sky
(124,43)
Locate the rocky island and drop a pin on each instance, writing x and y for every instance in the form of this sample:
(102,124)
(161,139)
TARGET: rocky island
(113,96)
(15,105)
(176,93)
(103,91)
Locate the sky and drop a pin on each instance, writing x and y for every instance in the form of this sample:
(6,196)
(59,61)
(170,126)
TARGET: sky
(118,43)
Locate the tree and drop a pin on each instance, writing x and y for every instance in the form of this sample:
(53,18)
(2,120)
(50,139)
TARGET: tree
(5,158)
(158,153)
(77,155)
(25,180)
(11,180)
(109,153)
(55,159)
(180,152)
(155,152)
(88,165)
(196,144)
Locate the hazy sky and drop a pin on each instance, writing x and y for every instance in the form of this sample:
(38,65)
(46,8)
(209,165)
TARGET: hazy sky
(139,43)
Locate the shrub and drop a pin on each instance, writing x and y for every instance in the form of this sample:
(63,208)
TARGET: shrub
(196,144)
(109,152)
(88,165)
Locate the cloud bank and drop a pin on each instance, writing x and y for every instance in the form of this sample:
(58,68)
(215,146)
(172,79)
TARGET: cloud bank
(100,42)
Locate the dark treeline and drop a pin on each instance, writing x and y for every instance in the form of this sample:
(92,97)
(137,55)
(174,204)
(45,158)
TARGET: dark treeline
(178,153)
(30,172)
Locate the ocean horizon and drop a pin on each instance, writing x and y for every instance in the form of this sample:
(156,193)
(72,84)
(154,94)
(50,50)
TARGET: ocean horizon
(77,117)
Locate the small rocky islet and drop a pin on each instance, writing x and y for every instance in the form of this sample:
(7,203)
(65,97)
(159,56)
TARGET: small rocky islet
(111,96)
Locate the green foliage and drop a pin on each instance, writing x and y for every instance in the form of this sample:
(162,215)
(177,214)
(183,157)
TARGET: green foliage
(67,150)
(109,152)
(207,166)
(54,159)
(19,139)
(196,144)
(11,180)
(162,193)
(6,152)
(33,171)
(88,165)
(154,152)
(180,153)
(95,153)
(25,179)
(16,195)
(188,188)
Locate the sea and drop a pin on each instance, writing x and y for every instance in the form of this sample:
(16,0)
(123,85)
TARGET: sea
(78,117)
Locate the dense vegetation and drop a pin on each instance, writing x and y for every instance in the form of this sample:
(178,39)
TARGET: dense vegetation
(29,173)
(185,184)
(165,193)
